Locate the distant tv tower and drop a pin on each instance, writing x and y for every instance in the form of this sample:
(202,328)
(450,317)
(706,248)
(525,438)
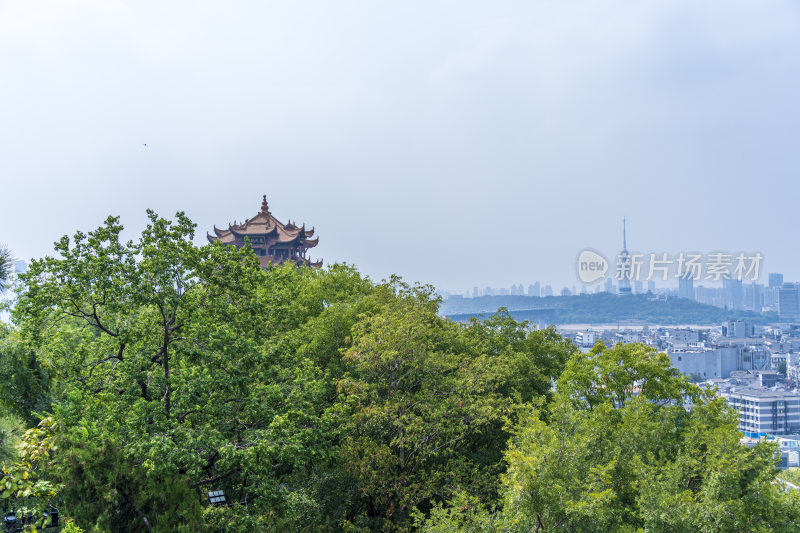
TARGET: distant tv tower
(624,287)
(624,236)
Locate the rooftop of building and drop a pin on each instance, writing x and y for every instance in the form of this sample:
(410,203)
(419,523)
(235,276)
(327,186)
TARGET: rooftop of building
(759,392)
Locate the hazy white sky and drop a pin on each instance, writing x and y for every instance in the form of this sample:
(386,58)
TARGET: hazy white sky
(456,143)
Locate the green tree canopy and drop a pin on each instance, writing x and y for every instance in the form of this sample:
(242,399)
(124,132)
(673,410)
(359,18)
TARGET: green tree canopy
(618,450)
(166,383)
(6,267)
(316,399)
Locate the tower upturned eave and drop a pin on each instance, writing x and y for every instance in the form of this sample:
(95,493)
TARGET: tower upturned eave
(271,240)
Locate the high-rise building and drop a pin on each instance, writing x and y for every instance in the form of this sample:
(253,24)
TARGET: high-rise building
(651,286)
(686,286)
(770,298)
(733,293)
(775,280)
(739,329)
(789,301)
(609,285)
(534,290)
(764,410)
(548,291)
(753,297)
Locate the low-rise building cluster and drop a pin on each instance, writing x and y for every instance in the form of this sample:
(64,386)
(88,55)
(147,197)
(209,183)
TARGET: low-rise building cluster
(755,368)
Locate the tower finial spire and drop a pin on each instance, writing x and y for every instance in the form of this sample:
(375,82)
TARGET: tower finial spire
(264,205)
(624,235)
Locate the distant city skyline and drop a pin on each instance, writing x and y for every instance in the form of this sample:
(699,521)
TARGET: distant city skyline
(671,272)
(591,288)
(777,296)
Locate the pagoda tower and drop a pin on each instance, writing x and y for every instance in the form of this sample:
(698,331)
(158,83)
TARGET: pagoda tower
(272,240)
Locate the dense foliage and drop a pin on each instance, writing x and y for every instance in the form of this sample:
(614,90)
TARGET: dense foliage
(151,372)
(313,399)
(6,267)
(617,450)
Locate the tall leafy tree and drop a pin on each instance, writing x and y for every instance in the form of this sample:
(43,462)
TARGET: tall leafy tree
(6,267)
(417,401)
(526,363)
(617,450)
(429,400)
(170,382)
(25,387)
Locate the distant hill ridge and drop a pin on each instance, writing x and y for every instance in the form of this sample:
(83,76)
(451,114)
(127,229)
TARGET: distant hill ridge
(601,308)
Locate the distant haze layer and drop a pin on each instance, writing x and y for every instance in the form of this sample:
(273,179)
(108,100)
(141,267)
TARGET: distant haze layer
(456,143)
